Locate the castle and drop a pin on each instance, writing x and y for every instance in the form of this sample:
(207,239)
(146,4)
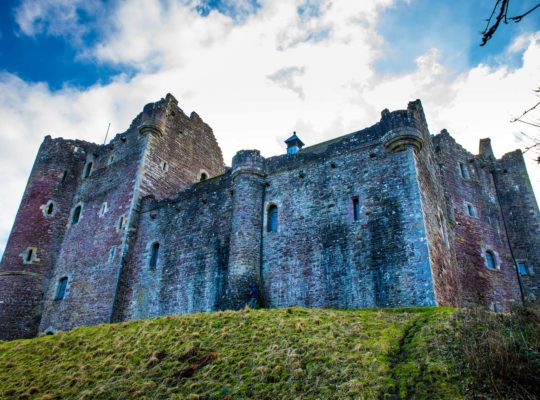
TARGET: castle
(154,223)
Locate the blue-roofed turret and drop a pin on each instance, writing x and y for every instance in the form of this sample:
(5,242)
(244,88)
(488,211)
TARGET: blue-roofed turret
(294,144)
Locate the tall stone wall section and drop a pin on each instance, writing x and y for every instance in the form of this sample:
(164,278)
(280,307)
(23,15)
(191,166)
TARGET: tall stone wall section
(320,256)
(193,232)
(478,227)
(521,218)
(442,258)
(39,227)
(91,253)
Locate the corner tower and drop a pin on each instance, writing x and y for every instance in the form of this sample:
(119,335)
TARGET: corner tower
(36,238)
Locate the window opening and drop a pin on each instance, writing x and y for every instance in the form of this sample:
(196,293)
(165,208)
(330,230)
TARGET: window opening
(204,177)
(50,208)
(154,250)
(61,290)
(88,169)
(76,215)
(522,268)
(103,209)
(471,210)
(112,253)
(463,170)
(64,176)
(272,219)
(491,261)
(29,254)
(356,208)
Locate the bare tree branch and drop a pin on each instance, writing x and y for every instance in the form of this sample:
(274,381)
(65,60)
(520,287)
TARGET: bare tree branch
(488,31)
(501,9)
(518,18)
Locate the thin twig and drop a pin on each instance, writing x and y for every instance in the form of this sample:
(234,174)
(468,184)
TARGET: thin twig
(518,18)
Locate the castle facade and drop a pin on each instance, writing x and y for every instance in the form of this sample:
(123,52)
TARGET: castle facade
(153,223)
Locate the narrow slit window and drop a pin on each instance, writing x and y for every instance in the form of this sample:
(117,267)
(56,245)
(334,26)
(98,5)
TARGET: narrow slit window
(88,169)
(154,251)
(61,289)
(50,208)
(471,211)
(76,215)
(522,268)
(103,209)
(356,208)
(64,176)
(463,170)
(491,261)
(112,253)
(120,223)
(272,219)
(29,254)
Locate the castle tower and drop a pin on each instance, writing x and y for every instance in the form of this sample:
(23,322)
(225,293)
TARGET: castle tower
(245,246)
(37,234)
(521,219)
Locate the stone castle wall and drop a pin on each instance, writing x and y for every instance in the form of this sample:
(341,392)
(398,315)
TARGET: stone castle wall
(166,228)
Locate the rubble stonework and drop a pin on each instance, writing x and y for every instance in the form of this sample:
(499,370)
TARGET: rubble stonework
(154,223)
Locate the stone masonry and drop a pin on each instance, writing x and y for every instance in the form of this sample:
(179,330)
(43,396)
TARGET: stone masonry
(153,223)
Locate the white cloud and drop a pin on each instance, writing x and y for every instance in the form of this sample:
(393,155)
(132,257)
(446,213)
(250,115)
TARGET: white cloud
(56,17)
(220,67)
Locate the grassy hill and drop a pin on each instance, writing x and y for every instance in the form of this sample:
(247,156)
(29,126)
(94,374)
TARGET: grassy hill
(257,354)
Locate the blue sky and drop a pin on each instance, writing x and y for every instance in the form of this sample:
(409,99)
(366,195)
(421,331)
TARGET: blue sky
(409,29)
(257,70)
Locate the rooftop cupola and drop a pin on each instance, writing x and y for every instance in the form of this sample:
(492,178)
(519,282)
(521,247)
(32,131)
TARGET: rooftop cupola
(294,144)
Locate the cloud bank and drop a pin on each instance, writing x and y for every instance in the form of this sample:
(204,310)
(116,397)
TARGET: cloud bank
(255,71)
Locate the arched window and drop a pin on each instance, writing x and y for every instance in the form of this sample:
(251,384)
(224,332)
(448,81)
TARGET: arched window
(203,177)
(272,219)
(61,289)
(76,215)
(88,169)
(491,260)
(154,250)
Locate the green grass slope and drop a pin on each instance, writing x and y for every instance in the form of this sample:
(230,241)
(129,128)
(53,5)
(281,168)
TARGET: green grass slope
(257,354)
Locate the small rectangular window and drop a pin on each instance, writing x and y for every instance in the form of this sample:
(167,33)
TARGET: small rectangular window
(154,255)
(463,170)
(76,215)
(522,268)
(471,210)
(61,289)
(356,208)
(112,253)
